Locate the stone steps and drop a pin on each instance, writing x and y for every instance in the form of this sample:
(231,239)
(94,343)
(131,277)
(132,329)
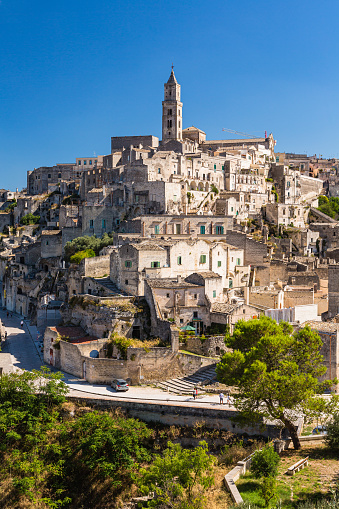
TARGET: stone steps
(109,285)
(186,384)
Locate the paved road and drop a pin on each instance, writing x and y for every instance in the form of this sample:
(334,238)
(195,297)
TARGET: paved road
(24,344)
(20,343)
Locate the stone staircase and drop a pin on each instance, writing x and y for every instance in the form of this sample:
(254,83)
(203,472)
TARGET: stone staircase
(186,384)
(109,285)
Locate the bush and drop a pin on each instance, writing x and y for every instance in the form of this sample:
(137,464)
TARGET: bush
(87,242)
(80,255)
(29,219)
(265,463)
(332,437)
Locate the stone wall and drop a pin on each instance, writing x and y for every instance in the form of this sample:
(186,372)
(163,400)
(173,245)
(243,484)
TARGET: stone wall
(154,365)
(333,290)
(5,220)
(211,346)
(183,415)
(255,253)
(95,267)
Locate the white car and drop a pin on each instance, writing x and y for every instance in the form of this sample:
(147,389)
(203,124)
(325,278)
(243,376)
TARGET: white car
(119,384)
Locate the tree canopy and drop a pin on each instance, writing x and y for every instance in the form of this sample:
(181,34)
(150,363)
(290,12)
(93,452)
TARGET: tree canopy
(179,477)
(87,242)
(29,219)
(276,372)
(329,206)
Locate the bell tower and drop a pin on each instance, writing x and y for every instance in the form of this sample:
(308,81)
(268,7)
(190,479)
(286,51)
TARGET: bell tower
(171,110)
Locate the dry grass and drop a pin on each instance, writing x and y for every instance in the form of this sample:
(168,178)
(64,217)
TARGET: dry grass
(217,497)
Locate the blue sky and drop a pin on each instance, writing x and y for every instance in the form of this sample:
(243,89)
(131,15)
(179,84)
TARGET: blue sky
(74,73)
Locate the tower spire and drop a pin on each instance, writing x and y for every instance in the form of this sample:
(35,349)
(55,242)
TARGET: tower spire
(172,110)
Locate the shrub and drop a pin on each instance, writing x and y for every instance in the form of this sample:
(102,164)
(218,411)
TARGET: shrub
(265,462)
(29,219)
(80,255)
(87,242)
(332,437)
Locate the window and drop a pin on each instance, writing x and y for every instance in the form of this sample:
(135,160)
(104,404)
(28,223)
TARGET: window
(91,224)
(175,196)
(155,265)
(59,176)
(126,281)
(203,258)
(219,230)
(202,230)
(46,242)
(79,163)
(169,123)
(90,161)
(244,311)
(195,296)
(219,263)
(214,294)
(230,283)
(85,162)
(49,176)
(179,124)
(168,295)
(103,223)
(169,112)
(238,261)
(215,166)
(165,315)
(231,209)
(195,314)
(178,229)
(156,229)
(159,170)
(128,263)
(181,320)
(179,260)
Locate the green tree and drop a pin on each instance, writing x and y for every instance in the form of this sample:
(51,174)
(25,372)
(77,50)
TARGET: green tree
(275,371)
(112,445)
(87,242)
(80,255)
(179,477)
(29,219)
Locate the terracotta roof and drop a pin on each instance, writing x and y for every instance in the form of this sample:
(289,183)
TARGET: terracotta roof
(75,334)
